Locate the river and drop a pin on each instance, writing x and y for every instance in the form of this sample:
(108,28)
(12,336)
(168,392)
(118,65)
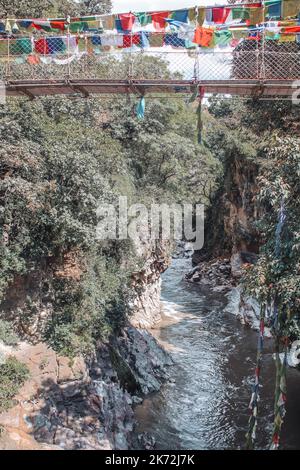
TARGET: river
(206,404)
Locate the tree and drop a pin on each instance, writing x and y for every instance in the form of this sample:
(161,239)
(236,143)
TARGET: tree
(52,8)
(59,159)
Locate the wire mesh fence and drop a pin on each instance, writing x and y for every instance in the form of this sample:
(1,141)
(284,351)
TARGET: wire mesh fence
(155,56)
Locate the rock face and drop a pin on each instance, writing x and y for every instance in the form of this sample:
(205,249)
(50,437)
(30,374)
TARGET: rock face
(146,283)
(246,309)
(88,404)
(83,405)
(229,228)
(231,241)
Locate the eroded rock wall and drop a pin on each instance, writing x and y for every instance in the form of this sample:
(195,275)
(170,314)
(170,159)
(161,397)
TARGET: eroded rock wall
(229,228)
(83,404)
(88,403)
(146,283)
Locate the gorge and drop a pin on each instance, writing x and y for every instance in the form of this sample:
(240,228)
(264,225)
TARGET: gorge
(121,344)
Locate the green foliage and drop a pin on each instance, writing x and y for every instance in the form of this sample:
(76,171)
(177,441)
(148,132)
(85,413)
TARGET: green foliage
(279,277)
(7,335)
(52,8)
(13,374)
(59,160)
(263,134)
(90,310)
(162,152)
(225,133)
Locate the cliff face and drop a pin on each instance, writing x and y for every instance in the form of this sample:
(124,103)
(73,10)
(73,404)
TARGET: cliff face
(146,283)
(229,228)
(87,403)
(83,404)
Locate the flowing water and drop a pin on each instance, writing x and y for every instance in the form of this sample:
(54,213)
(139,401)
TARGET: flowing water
(206,407)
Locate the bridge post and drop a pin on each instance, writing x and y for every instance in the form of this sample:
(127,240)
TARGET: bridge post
(7,68)
(130,65)
(197,65)
(257,52)
(69,53)
(263,45)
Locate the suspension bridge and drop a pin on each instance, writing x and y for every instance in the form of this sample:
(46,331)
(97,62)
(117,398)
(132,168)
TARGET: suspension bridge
(60,57)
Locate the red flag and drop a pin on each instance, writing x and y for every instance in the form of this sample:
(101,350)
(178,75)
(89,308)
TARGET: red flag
(57,25)
(220,15)
(159,19)
(41,46)
(127,21)
(130,40)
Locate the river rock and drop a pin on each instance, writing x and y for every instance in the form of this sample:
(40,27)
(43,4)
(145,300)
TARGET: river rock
(215,274)
(246,309)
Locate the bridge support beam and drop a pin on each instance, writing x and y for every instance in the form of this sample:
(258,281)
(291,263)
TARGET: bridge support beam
(266,88)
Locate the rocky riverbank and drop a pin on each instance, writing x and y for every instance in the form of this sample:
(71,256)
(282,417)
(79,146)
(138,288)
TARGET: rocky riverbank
(83,404)
(87,403)
(215,274)
(223,275)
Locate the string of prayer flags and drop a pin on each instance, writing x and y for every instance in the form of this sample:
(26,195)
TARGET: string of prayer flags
(251,14)
(255,395)
(206,27)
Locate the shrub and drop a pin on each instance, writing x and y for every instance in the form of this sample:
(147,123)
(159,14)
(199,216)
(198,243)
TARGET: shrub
(13,374)
(7,335)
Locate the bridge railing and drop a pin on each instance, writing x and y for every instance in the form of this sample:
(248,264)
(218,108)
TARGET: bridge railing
(156,56)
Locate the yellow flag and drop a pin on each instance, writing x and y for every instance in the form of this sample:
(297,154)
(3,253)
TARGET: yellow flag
(200,17)
(287,38)
(192,14)
(256,15)
(290,8)
(108,22)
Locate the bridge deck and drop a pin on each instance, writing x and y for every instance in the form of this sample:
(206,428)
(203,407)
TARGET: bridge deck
(86,87)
